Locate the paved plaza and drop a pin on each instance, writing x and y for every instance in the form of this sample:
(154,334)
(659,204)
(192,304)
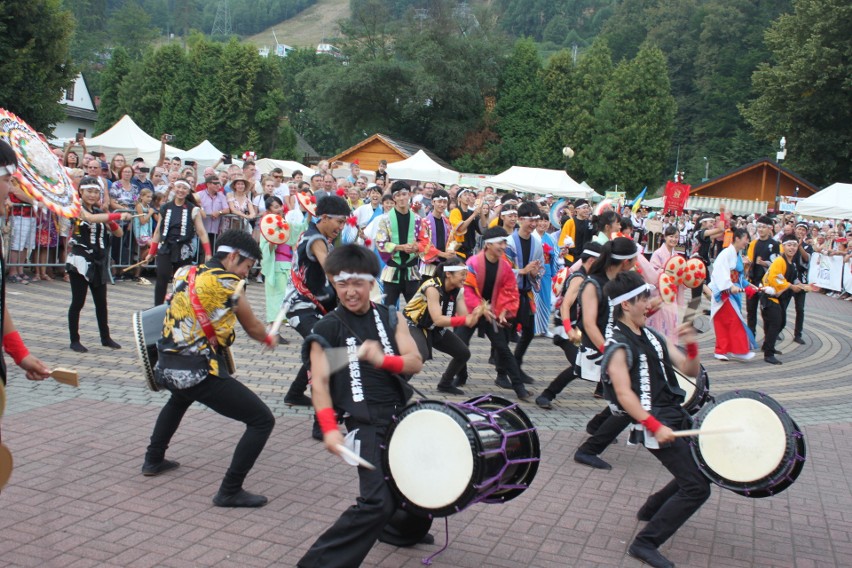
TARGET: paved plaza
(77,498)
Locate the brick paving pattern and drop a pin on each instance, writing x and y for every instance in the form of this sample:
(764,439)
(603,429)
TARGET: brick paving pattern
(76,497)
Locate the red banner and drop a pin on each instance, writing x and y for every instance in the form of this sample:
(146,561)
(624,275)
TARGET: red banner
(675,197)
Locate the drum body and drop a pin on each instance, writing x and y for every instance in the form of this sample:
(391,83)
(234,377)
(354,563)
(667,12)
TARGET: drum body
(147,330)
(443,457)
(697,390)
(763,458)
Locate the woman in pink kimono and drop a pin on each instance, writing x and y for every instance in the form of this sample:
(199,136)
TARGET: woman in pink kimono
(665,320)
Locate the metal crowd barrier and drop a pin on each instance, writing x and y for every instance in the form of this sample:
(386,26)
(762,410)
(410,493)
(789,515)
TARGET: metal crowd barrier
(29,242)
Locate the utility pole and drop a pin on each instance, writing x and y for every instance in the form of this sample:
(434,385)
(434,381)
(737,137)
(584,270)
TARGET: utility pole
(222,21)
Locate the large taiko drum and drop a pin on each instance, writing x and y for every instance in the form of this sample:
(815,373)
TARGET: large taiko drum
(443,457)
(697,390)
(764,457)
(147,330)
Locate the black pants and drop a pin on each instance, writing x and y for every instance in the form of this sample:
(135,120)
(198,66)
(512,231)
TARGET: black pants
(526,319)
(306,320)
(569,374)
(504,357)
(231,399)
(678,500)
(349,540)
(406,288)
(752,306)
(79,285)
(799,302)
(774,318)
(165,272)
(445,341)
(606,427)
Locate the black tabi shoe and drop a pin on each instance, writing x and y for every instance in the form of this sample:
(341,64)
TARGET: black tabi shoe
(503,381)
(152,469)
(297,400)
(523,394)
(526,379)
(449,389)
(591,460)
(108,342)
(78,347)
(241,498)
(460,381)
(650,556)
(772,360)
(799,340)
(544,402)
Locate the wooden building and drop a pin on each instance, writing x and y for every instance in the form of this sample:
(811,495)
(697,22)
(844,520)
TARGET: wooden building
(382,147)
(756,181)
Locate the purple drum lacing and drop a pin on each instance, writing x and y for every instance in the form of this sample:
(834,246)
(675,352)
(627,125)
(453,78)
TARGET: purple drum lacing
(428,560)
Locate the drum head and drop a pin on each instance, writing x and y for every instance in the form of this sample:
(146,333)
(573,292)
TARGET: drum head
(749,455)
(142,351)
(430,456)
(5,465)
(688,385)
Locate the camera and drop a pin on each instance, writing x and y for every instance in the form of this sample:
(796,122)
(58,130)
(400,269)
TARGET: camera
(79,136)
(170,137)
(226,160)
(188,163)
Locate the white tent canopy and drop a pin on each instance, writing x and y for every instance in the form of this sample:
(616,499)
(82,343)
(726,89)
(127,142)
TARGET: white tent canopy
(833,202)
(421,167)
(206,154)
(541,181)
(709,204)
(125,137)
(266,165)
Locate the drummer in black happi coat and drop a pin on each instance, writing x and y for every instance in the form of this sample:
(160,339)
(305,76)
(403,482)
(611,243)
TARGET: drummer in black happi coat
(639,380)
(368,391)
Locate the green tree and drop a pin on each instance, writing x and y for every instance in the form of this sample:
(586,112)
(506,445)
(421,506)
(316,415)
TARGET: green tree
(130,27)
(519,103)
(35,67)
(559,84)
(805,93)
(634,124)
(111,109)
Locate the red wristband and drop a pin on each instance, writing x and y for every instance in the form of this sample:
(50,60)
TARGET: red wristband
(207,250)
(691,350)
(114,217)
(270,340)
(566,325)
(651,424)
(392,363)
(458,321)
(113,226)
(153,250)
(327,419)
(14,346)
(602,347)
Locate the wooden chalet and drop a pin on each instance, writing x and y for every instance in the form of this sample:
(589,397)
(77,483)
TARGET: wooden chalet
(377,147)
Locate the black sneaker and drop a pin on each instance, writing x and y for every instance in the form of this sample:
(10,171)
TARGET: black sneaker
(799,340)
(590,460)
(650,556)
(108,342)
(544,402)
(772,360)
(241,498)
(503,381)
(449,389)
(523,394)
(78,347)
(152,469)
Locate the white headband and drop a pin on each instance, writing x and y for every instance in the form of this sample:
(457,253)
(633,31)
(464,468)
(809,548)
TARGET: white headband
(496,240)
(625,256)
(344,276)
(455,268)
(226,249)
(183,182)
(508,212)
(8,170)
(632,294)
(90,186)
(790,241)
(590,253)
(527,218)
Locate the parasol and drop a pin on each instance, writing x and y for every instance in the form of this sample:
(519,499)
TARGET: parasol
(274,229)
(39,172)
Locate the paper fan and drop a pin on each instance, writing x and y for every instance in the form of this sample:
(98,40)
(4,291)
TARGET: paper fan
(274,229)
(39,171)
(555,212)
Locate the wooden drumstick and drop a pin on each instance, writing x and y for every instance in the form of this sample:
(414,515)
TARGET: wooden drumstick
(276,325)
(344,451)
(706,432)
(66,376)
(132,266)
